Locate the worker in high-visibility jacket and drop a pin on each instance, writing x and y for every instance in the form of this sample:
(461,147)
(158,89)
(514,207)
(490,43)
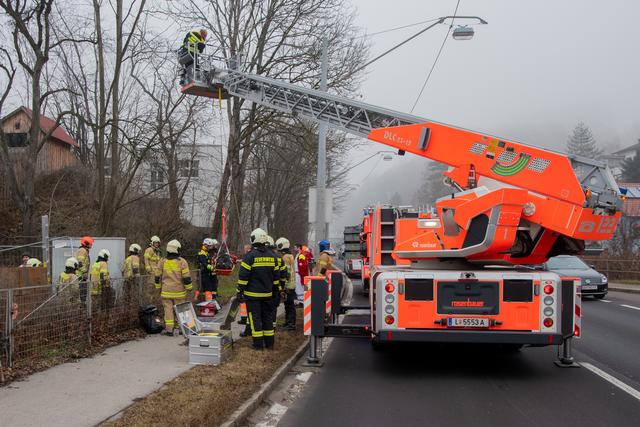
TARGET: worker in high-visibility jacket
(256,279)
(68,277)
(100,275)
(192,46)
(131,266)
(174,281)
(206,264)
(84,264)
(278,289)
(325,260)
(152,259)
(284,246)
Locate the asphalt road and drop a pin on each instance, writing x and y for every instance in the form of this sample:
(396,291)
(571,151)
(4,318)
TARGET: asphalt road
(429,384)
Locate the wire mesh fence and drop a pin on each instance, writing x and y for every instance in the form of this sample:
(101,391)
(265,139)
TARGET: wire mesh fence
(616,268)
(44,323)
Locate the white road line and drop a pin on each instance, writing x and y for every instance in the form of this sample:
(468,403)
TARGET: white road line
(613,380)
(604,300)
(630,306)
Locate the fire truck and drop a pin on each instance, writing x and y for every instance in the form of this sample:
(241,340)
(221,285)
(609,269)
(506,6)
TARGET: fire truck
(460,272)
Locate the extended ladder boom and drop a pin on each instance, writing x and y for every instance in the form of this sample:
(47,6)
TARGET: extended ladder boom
(578,181)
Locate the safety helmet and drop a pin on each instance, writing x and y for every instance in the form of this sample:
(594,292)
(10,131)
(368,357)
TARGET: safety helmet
(71,263)
(34,262)
(215,242)
(86,241)
(155,239)
(270,242)
(173,247)
(135,248)
(208,242)
(283,243)
(104,253)
(324,245)
(258,237)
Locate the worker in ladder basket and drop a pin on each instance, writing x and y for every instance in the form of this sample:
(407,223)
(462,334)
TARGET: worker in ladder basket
(174,282)
(284,246)
(192,46)
(278,288)
(256,280)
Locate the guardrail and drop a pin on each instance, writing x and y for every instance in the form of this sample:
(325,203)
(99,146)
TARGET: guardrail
(616,268)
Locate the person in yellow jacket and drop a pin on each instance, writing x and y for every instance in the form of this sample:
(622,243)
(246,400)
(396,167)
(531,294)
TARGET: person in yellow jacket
(174,281)
(84,264)
(325,260)
(131,271)
(152,259)
(100,286)
(284,246)
(68,277)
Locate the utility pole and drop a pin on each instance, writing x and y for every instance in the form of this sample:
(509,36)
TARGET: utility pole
(321,178)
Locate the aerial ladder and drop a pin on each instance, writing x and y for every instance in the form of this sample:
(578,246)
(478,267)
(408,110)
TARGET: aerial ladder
(433,274)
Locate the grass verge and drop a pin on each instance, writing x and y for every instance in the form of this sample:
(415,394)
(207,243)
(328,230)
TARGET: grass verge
(208,395)
(627,282)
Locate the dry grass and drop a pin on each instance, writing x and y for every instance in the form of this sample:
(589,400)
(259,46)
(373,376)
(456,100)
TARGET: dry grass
(208,395)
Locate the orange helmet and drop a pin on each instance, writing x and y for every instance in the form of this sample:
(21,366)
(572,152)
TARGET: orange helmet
(86,241)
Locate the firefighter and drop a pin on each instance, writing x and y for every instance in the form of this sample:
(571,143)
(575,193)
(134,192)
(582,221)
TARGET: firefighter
(192,46)
(174,280)
(256,280)
(34,262)
(325,260)
(131,271)
(206,260)
(84,264)
(68,276)
(100,278)
(302,263)
(284,247)
(278,288)
(152,259)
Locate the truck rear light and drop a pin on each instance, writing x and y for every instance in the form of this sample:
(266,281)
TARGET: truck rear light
(389,320)
(548,322)
(548,311)
(389,287)
(548,289)
(548,300)
(389,299)
(389,309)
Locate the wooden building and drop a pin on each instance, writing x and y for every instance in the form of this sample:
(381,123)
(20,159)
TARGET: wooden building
(58,152)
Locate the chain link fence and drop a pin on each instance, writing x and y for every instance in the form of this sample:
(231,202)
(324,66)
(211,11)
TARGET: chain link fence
(41,325)
(616,268)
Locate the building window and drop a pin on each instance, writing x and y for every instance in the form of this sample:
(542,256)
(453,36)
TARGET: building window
(15,140)
(16,125)
(158,176)
(107,167)
(188,168)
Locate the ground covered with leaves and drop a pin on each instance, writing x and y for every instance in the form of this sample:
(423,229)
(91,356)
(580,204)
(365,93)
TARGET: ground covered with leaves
(208,395)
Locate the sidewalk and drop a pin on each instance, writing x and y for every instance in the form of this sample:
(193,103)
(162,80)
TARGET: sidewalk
(623,287)
(93,389)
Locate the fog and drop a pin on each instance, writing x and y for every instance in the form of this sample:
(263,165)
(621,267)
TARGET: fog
(535,71)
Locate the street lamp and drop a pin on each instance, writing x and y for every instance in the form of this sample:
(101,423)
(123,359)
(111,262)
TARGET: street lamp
(462,32)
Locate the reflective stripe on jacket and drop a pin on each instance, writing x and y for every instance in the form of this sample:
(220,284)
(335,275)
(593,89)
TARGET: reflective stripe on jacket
(175,280)
(99,277)
(151,260)
(258,275)
(131,266)
(193,41)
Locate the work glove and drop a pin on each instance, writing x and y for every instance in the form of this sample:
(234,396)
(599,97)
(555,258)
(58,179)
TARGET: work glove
(240,295)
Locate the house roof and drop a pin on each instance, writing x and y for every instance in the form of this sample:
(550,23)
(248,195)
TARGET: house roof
(633,189)
(633,147)
(46,124)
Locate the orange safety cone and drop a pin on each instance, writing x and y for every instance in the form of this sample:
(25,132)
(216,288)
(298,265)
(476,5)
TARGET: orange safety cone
(243,313)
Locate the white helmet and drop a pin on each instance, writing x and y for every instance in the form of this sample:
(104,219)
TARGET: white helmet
(215,242)
(173,247)
(135,248)
(71,263)
(104,253)
(258,237)
(34,262)
(283,243)
(270,242)
(208,242)
(155,239)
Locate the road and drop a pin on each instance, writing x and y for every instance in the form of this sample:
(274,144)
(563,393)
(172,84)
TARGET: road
(428,384)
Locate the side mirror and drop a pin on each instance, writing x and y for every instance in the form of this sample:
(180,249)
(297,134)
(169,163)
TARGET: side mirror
(592,266)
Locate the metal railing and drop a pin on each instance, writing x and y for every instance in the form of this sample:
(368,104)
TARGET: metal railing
(39,326)
(616,268)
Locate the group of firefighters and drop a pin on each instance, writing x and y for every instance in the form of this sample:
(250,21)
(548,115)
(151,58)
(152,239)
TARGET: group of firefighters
(269,273)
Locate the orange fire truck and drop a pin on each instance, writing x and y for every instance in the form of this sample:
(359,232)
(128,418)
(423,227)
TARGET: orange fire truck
(458,272)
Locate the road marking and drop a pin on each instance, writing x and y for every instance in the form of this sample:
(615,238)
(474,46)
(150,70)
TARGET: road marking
(604,300)
(630,306)
(613,380)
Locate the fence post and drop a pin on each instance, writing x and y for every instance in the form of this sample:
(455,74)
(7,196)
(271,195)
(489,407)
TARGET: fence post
(9,328)
(88,305)
(45,250)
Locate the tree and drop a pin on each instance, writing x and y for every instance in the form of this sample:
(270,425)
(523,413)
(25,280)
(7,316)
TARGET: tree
(432,186)
(582,143)
(631,168)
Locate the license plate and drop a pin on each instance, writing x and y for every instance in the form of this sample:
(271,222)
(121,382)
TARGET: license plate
(467,322)
(589,287)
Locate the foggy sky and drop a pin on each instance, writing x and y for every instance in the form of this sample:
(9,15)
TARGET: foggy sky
(531,74)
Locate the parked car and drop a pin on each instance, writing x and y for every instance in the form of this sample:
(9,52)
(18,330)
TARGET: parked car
(593,283)
(353,267)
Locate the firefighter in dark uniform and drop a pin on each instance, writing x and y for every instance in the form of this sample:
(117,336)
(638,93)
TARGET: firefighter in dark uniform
(278,290)
(256,280)
(206,264)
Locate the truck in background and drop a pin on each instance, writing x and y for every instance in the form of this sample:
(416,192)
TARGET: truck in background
(352,255)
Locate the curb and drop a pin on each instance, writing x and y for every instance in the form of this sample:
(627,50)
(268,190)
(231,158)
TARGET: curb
(242,413)
(626,290)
